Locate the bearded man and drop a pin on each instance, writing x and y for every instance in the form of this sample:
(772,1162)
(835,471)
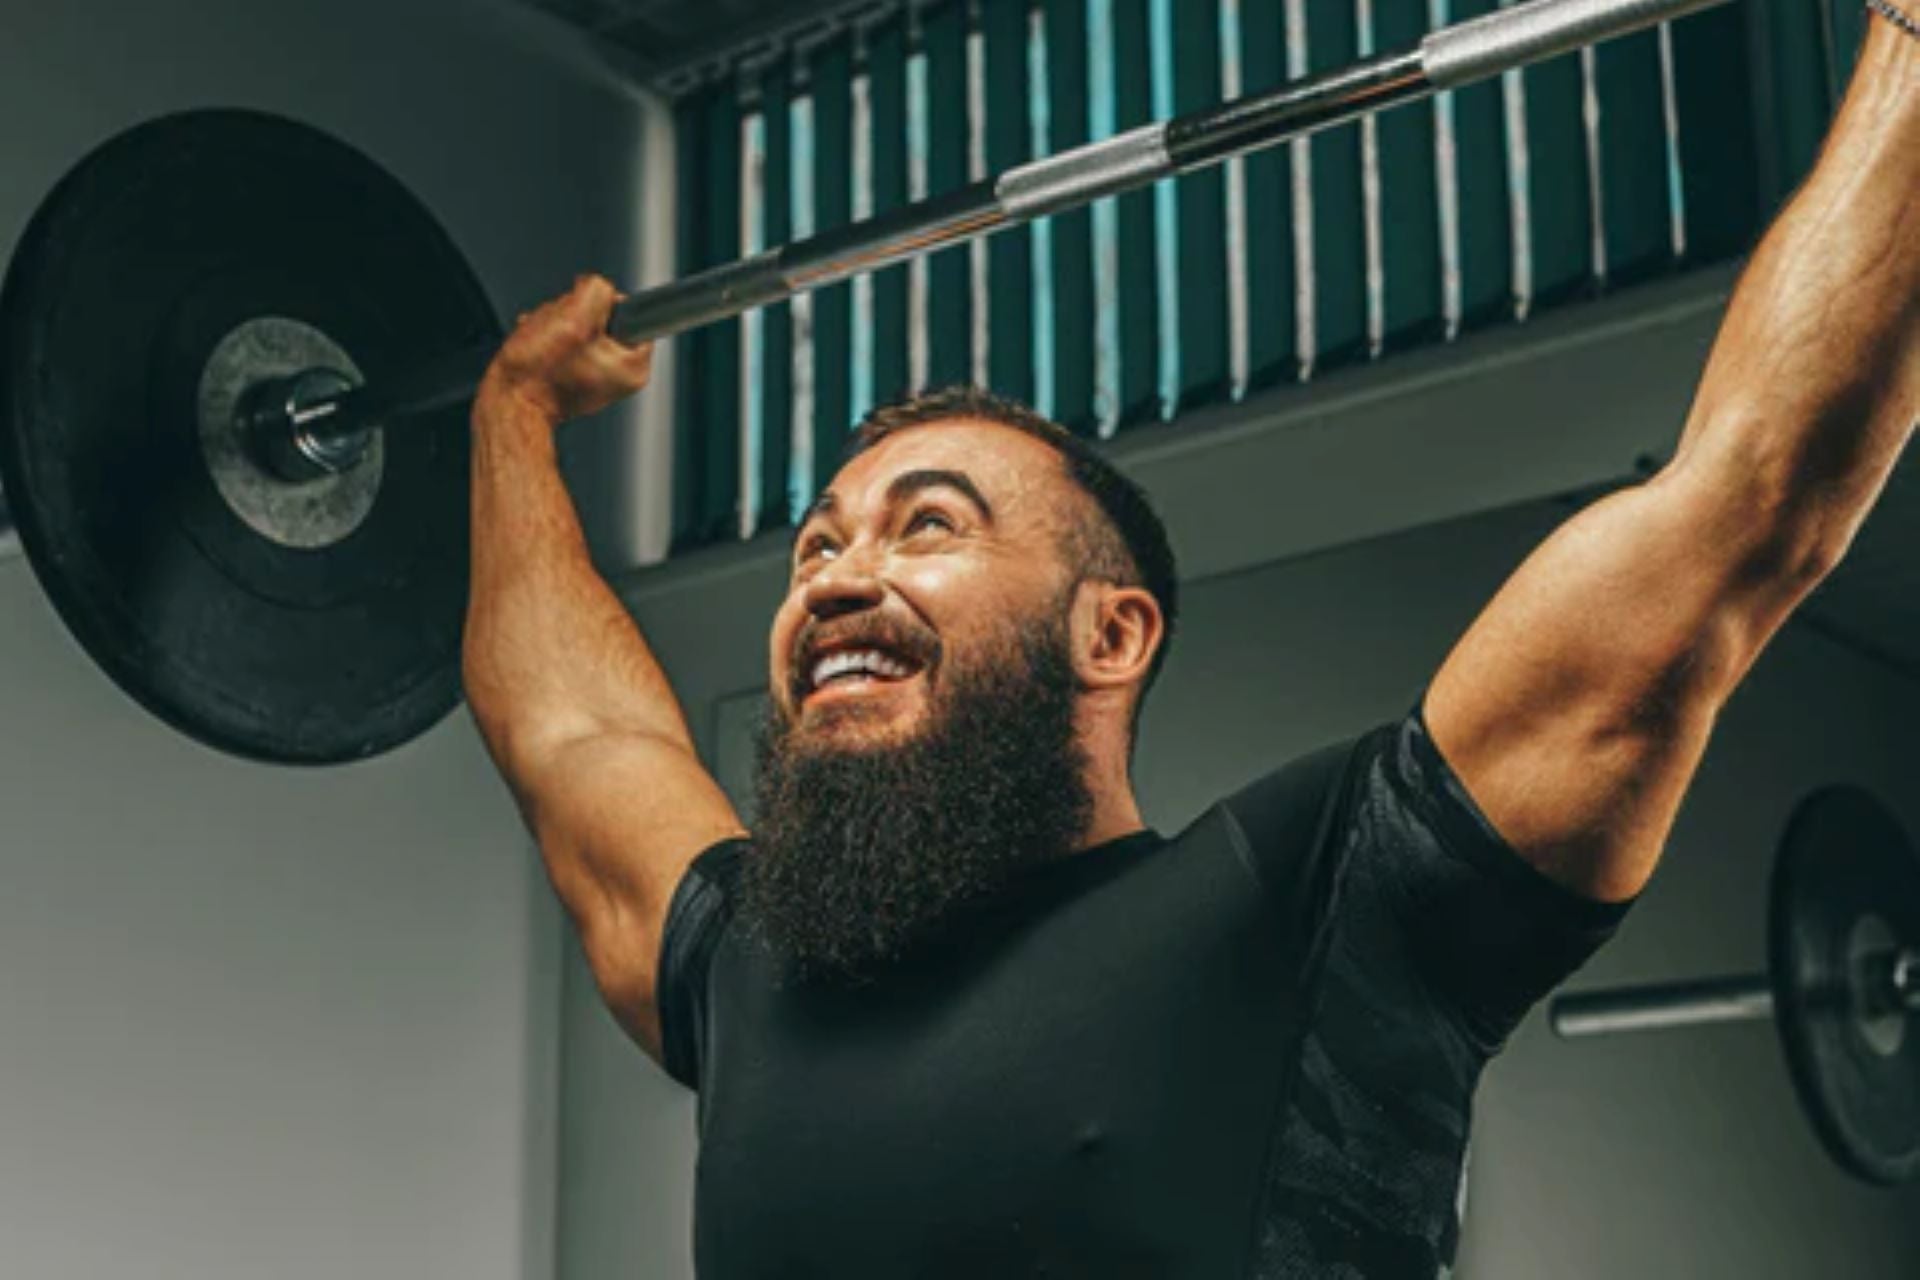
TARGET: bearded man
(952,1008)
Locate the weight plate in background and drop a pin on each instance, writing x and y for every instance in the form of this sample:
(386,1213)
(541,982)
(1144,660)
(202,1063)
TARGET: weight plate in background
(1846,889)
(156,247)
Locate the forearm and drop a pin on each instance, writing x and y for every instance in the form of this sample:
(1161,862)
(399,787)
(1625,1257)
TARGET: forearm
(1814,382)
(550,652)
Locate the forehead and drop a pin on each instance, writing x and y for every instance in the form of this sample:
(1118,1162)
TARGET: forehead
(1012,470)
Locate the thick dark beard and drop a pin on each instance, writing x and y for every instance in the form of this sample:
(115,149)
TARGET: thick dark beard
(862,856)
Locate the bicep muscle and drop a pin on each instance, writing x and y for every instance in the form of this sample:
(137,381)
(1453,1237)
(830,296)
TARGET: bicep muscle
(1578,705)
(619,818)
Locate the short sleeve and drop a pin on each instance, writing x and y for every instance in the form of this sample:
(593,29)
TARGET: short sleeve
(1487,932)
(697,919)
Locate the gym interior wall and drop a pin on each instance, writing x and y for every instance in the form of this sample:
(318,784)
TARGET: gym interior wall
(272,1022)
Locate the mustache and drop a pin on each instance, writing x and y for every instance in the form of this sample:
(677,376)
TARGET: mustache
(816,636)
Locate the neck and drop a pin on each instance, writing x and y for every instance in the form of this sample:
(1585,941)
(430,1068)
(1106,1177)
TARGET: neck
(1116,812)
(1106,742)
(1122,819)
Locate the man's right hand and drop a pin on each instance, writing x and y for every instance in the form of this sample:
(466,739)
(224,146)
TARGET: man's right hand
(559,360)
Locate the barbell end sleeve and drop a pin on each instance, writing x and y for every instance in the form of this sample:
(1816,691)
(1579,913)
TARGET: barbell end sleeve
(441,384)
(1658,1006)
(1891,981)
(1525,33)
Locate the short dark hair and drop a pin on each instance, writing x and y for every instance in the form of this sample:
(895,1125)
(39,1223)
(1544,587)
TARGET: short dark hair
(1127,545)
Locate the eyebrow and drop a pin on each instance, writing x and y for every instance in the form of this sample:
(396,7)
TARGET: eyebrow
(902,487)
(908,483)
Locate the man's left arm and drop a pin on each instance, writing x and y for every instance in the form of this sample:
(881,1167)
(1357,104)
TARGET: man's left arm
(1577,707)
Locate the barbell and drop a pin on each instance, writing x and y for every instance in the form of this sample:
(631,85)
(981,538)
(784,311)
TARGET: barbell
(216,325)
(1842,987)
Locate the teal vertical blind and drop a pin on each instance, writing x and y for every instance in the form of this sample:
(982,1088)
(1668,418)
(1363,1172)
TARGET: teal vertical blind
(1635,209)
(1009,139)
(1197,310)
(1337,206)
(707,433)
(1478,208)
(1129,280)
(830,87)
(1413,257)
(948,309)
(886,51)
(1062,47)
(1553,156)
(1272,315)
(1482,125)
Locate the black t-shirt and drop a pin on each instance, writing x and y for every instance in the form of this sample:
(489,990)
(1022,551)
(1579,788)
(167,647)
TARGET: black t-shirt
(1245,1051)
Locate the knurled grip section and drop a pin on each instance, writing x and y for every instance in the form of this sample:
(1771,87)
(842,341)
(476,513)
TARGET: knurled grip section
(713,294)
(1508,38)
(1086,174)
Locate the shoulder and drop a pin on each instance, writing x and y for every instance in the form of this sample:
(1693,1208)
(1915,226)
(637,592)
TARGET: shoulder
(1300,790)
(1390,783)
(1287,831)
(1290,814)
(1380,814)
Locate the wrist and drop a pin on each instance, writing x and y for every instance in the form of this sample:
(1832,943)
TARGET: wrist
(1897,16)
(1876,122)
(1890,53)
(504,404)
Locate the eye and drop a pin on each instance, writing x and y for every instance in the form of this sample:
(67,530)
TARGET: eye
(815,546)
(929,518)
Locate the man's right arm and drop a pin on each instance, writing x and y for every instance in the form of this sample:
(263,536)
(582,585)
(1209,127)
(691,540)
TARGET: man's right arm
(576,712)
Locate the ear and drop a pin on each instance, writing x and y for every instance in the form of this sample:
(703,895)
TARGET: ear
(1116,633)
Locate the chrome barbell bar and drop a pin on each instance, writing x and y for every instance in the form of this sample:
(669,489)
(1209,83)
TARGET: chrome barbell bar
(1889,982)
(1445,59)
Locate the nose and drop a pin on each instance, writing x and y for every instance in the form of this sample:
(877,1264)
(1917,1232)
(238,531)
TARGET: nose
(846,586)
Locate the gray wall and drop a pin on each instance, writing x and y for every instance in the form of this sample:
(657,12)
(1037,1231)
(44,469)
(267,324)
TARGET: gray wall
(261,1022)
(1682,1155)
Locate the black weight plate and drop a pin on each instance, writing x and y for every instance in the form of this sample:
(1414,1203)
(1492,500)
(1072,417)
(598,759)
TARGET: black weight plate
(148,253)
(1844,859)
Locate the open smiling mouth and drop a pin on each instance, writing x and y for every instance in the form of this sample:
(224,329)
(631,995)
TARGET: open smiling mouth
(850,672)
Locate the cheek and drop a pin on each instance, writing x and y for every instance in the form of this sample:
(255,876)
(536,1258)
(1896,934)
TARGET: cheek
(952,594)
(976,613)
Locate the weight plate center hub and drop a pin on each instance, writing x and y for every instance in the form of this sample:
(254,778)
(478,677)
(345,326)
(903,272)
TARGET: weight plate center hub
(1878,1008)
(305,514)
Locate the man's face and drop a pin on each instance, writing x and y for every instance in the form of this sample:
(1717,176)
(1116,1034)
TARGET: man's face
(922,746)
(915,564)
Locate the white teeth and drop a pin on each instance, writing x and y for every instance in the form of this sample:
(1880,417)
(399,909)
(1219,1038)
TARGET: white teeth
(871,661)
